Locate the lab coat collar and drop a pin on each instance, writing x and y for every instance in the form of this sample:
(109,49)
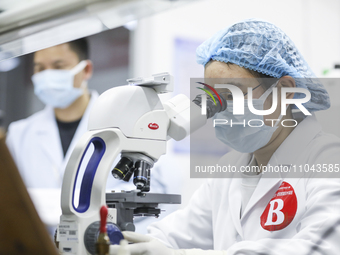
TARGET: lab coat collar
(49,134)
(234,194)
(286,154)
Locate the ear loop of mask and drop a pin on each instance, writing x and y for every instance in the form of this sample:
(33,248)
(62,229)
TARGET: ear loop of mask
(79,67)
(266,94)
(268,91)
(280,117)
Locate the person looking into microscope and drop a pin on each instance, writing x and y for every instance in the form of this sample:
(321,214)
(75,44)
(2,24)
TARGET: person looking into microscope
(259,213)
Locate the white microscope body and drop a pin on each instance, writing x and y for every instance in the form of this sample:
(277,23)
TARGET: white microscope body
(125,119)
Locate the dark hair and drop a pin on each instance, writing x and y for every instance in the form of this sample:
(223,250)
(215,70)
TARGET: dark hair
(80,47)
(265,80)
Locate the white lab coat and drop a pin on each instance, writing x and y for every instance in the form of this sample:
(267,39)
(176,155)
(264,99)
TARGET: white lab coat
(212,219)
(35,145)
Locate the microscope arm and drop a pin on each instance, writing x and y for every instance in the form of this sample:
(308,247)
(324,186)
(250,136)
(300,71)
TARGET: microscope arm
(184,115)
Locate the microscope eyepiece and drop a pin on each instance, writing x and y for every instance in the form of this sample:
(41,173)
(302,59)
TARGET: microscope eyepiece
(212,107)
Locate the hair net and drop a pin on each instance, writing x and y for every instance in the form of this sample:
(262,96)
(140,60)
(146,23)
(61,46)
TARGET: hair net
(261,46)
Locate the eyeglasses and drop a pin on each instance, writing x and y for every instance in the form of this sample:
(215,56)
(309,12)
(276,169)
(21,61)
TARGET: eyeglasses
(253,89)
(226,93)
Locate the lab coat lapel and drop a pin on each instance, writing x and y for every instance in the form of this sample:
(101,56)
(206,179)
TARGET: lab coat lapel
(235,197)
(48,137)
(264,186)
(286,154)
(235,204)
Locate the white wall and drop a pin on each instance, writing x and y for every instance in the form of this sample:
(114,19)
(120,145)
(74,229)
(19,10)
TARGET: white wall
(312,24)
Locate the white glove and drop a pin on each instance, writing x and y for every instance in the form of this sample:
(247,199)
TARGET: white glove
(124,248)
(143,245)
(146,245)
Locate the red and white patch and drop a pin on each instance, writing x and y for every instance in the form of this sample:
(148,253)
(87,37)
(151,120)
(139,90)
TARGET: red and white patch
(281,209)
(153,126)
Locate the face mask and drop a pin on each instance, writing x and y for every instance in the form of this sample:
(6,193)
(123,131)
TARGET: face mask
(55,87)
(245,138)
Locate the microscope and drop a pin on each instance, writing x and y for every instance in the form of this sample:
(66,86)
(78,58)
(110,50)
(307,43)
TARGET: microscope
(132,122)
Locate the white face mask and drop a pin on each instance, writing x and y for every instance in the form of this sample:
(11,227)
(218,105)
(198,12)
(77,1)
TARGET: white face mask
(55,87)
(245,138)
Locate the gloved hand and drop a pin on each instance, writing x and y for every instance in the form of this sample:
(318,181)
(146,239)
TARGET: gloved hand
(124,248)
(144,245)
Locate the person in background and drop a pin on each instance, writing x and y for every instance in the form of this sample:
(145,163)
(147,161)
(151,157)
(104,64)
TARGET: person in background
(42,143)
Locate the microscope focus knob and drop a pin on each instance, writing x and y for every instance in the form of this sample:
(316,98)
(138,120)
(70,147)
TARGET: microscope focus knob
(92,232)
(128,226)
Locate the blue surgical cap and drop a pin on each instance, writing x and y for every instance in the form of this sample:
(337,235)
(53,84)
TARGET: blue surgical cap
(262,47)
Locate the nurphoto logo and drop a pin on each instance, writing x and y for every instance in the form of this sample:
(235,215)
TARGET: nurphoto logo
(238,102)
